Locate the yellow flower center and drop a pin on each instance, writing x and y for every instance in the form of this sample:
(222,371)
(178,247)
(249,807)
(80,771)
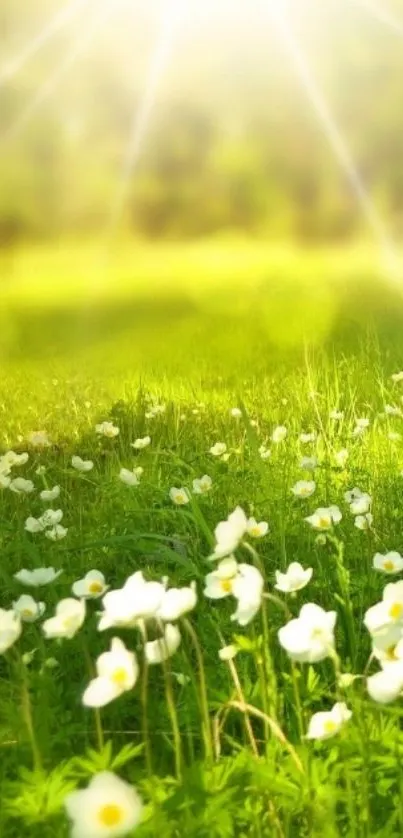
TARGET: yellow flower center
(95,587)
(323,523)
(119,677)
(388,565)
(27,612)
(390,653)
(395,611)
(110,815)
(226,585)
(330,726)
(254,531)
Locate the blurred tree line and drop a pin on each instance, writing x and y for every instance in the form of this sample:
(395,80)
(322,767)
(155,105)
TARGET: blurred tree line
(233,141)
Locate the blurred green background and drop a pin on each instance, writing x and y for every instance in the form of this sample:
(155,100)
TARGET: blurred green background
(153,193)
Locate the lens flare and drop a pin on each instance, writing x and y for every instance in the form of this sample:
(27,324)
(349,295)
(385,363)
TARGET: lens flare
(381,15)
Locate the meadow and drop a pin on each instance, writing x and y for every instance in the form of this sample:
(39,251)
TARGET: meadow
(270,372)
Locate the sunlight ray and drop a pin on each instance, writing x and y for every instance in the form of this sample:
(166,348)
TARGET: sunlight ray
(170,22)
(55,24)
(50,85)
(334,135)
(381,15)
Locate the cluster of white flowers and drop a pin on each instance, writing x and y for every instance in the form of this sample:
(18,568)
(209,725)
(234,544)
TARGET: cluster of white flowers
(49,523)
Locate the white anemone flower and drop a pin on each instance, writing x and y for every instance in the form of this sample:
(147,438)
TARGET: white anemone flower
(248,591)
(229,533)
(177,602)
(392,410)
(107,429)
(10,629)
(28,609)
(158,651)
(218,449)
(107,808)
(305,438)
(352,494)
(257,529)
(391,562)
(228,653)
(236,413)
(303,488)
(38,577)
(56,533)
(220,582)
(117,672)
(362,424)
(394,436)
(326,724)
(341,457)
(5,481)
(51,518)
(361,505)
(180,497)
(91,586)
(50,494)
(11,459)
(364,522)
(308,463)
(264,452)
(294,579)
(310,637)
(202,485)
(141,442)
(397,376)
(81,465)
(68,619)
(387,685)
(137,600)
(324,518)
(128,477)
(336,415)
(379,617)
(39,439)
(21,486)
(33,525)
(279,434)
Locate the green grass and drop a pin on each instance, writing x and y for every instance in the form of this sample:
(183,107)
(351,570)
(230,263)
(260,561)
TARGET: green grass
(288,337)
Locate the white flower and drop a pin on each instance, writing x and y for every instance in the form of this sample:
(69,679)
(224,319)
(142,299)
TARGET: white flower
(235,412)
(11,459)
(324,518)
(352,494)
(28,609)
(326,724)
(56,533)
(248,590)
(392,410)
(341,457)
(202,485)
(158,651)
(179,496)
(177,602)
(378,618)
(39,439)
(50,518)
(218,449)
(336,415)
(364,522)
(310,637)
(294,579)
(264,452)
(91,586)
(308,463)
(361,505)
(137,600)
(128,477)
(361,426)
(68,619)
(228,653)
(257,530)
(107,429)
(304,488)
(38,577)
(394,436)
(397,376)
(10,629)
(40,471)
(117,672)
(229,533)
(220,582)
(33,525)
(307,437)
(107,808)
(141,443)
(21,486)
(50,494)
(387,685)
(391,562)
(81,465)
(4,481)
(279,434)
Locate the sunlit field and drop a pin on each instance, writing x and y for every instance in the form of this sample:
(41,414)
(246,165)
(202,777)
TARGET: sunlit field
(230,691)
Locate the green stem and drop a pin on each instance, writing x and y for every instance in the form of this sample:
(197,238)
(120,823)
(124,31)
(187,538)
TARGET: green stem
(204,709)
